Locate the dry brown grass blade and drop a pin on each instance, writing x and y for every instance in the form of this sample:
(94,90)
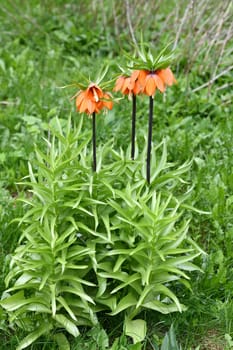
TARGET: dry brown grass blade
(212,80)
(184,19)
(128,16)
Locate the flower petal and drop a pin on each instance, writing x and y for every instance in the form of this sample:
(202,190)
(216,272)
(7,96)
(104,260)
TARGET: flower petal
(143,74)
(91,106)
(95,91)
(98,92)
(137,88)
(107,102)
(119,83)
(134,75)
(167,76)
(150,86)
(98,106)
(159,82)
(89,95)
(79,98)
(83,106)
(126,87)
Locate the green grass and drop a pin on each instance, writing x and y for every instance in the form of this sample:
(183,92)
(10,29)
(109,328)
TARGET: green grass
(44,45)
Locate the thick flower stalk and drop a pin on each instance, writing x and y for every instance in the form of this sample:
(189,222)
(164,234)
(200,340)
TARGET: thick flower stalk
(91,101)
(129,85)
(149,82)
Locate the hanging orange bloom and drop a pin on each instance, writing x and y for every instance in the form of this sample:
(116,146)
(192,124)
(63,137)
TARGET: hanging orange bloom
(145,81)
(128,85)
(92,100)
(149,81)
(124,84)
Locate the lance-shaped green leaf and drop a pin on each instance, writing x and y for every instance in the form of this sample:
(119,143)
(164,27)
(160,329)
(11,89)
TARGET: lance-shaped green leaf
(67,324)
(43,329)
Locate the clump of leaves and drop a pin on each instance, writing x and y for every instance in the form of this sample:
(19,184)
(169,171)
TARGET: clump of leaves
(97,242)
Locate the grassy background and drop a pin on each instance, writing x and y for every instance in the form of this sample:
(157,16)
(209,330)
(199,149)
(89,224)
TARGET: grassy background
(45,44)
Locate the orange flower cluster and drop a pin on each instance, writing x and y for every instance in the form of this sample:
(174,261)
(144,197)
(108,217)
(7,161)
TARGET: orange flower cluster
(145,82)
(92,100)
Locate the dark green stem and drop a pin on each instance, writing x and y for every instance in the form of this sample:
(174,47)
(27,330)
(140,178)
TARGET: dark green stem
(94,140)
(133,126)
(149,139)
